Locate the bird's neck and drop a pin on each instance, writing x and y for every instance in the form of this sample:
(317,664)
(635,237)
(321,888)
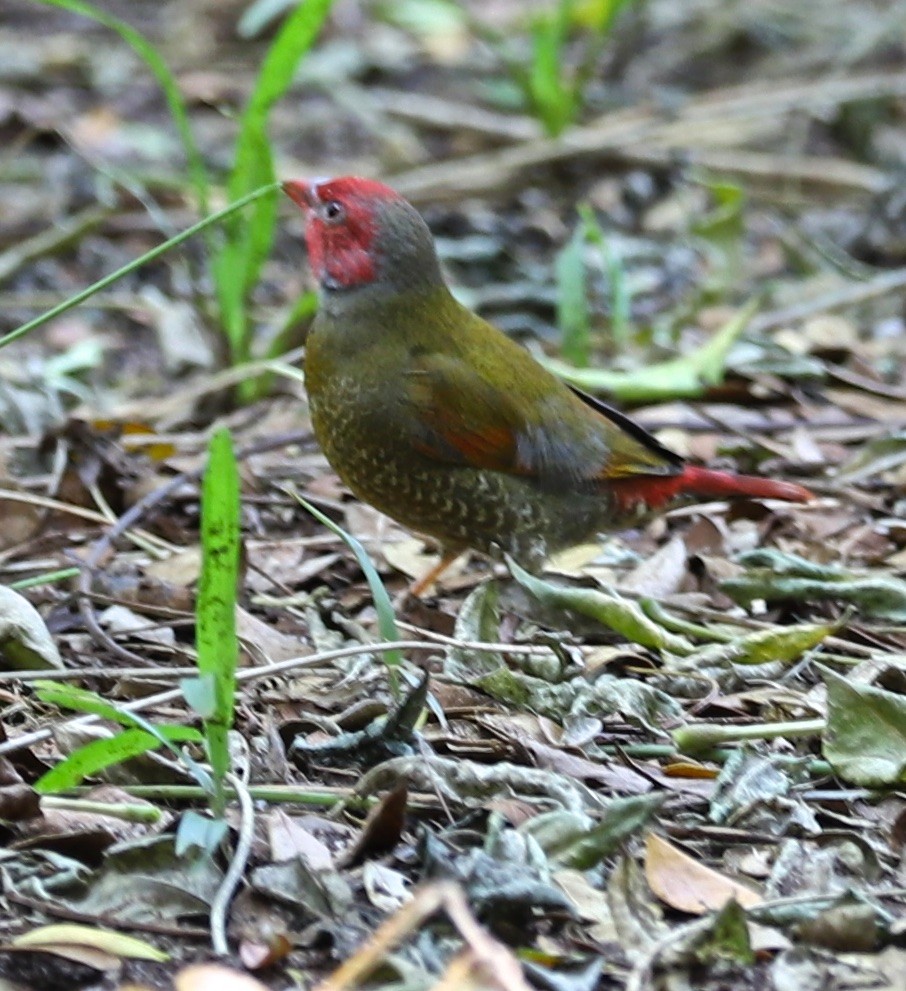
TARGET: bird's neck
(374,305)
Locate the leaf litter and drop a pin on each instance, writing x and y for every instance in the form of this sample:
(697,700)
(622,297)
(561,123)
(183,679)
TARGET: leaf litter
(524,778)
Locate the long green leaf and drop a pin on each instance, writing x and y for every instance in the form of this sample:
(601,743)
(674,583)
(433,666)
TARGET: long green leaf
(148,256)
(573,317)
(382,604)
(99,754)
(688,376)
(238,263)
(216,642)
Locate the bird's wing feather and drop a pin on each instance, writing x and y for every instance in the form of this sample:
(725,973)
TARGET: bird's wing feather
(635,451)
(461,418)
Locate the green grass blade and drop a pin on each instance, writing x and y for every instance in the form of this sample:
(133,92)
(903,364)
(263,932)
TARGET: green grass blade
(573,317)
(620,299)
(48,578)
(78,699)
(238,263)
(382,604)
(148,256)
(549,91)
(147,52)
(109,751)
(216,643)
(100,754)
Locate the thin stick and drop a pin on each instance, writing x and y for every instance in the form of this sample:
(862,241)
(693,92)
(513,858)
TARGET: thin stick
(276,667)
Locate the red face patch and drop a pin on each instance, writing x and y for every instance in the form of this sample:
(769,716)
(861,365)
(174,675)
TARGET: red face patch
(341,229)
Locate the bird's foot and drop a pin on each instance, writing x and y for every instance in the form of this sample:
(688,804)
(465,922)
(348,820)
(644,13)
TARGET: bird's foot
(419,588)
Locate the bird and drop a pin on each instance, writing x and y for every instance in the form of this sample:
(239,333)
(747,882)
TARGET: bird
(441,421)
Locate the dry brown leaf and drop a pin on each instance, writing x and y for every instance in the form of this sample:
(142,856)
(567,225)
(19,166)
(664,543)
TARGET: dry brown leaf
(289,839)
(181,569)
(686,884)
(661,574)
(265,642)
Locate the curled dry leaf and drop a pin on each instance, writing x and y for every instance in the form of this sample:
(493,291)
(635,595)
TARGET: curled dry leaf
(258,956)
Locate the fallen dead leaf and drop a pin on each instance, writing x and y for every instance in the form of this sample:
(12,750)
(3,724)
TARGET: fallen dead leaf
(263,641)
(687,885)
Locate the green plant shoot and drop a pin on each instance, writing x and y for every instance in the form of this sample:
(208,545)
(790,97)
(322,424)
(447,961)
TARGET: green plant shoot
(211,694)
(139,736)
(574,315)
(237,265)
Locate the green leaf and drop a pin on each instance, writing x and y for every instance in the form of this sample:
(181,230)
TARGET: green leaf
(568,841)
(25,641)
(198,832)
(686,377)
(553,99)
(46,578)
(723,229)
(300,313)
(779,577)
(426,18)
(201,694)
(259,15)
(216,642)
(776,644)
(238,263)
(215,635)
(572,300)
(476,620)
(865,736)
(728,937)
(618,614)
(597,15)
(95,756)
(620,299)
(82,700)
(67,696)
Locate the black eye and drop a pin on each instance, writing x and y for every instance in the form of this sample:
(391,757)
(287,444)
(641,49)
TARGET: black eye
(334,211)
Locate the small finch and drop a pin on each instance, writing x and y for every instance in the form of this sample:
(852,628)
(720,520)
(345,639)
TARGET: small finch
(439,420)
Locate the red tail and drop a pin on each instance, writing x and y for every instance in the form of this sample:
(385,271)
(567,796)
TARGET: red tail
(654,491)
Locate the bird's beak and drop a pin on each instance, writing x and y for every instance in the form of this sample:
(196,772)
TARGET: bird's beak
(302,193)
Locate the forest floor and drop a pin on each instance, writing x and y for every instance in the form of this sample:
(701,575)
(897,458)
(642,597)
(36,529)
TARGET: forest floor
(674,761)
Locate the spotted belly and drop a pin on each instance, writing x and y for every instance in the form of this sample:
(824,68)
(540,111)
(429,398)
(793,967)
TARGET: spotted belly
(459,507)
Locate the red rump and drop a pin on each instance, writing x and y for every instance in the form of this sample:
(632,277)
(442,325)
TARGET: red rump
(654,491)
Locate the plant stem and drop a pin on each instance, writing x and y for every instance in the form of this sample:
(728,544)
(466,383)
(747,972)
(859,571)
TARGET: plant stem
(697,737)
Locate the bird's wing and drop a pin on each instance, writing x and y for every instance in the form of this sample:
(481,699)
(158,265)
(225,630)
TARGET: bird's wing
(458,417)
(634,451)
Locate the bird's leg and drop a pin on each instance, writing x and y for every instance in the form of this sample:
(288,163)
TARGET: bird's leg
(417,589)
